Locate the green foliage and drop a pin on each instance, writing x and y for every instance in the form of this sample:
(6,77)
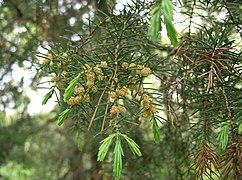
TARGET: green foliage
(104,80)
(103,149)
(240,129)
(156,130)
(166,9)
(47,96)
(132,145)
(118,151)
(13,170)
(155,23)
(79,144)
(223,137)
(63,116)
(196,89)
(117,159)
(70,89)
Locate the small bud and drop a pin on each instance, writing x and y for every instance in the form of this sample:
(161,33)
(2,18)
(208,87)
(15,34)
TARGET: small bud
(79,90)
(131,87)
(100,77)
(133,81)
(152,109)
(90,84)
(58,85)
(125,65)
(86,98)
(122,109)
(147,114)
(59,65)
(146,71)
(71,101)
(97,70)
(78,99)
(141,66)
(94,89)
(64,68)
(145,97)
(146,104)
(64,55)
(103,64)
(47,59)
(122,91)
(90,76)
(55,78)
(113,111)
(138,71)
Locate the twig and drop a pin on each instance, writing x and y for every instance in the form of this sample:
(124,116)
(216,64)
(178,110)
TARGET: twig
(116,53)
(95,111)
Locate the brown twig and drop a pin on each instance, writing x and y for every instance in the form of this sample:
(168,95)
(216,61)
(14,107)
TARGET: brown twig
(116,55)
(111,78)
(96,108)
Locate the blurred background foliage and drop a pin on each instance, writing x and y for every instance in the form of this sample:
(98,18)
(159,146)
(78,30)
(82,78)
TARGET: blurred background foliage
(33,147)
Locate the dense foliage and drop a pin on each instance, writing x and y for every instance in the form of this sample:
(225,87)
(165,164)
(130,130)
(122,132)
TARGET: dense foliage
(149,105)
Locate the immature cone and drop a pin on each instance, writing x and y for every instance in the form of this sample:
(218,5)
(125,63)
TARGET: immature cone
(103,64)
(79,90)
(100,77)
(146,104)
(94,89)
(122,109)
(145,97)
(125,65)
(146,71)
(122,91)
(97,70)
(113,111)
(74,100)
(90,76)
(55,78)
(138,72)
(90,84)
(58,85)
(47,59)
(152,109)
(86,98)
(78,99)
(71,101)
